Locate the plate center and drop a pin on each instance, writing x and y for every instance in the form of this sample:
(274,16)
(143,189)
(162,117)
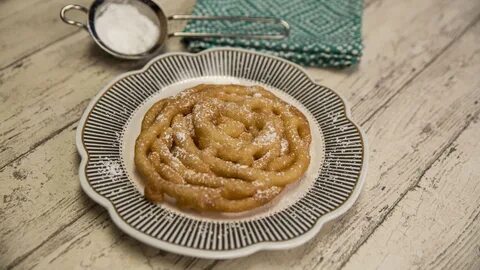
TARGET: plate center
(289,195)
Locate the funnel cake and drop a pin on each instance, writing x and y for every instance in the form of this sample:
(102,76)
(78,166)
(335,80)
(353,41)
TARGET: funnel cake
(223,148)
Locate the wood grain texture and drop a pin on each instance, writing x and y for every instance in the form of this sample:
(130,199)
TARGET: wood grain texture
(395,53)
(406,136)
(414,92)
(436,225)
(40,198)
(9,7)
(58,91)
(417,143)
(33,25)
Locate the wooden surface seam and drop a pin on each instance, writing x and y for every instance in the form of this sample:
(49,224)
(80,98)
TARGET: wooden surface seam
(416,94)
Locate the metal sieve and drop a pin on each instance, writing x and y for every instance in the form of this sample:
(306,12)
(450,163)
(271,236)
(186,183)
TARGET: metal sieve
(155,13)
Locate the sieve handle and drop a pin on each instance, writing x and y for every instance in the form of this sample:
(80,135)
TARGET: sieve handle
(263,20)
(67,8)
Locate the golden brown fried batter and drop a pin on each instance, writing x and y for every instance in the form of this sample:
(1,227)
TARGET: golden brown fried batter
(224,148)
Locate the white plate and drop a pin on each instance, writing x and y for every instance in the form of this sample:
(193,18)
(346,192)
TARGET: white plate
(111,123)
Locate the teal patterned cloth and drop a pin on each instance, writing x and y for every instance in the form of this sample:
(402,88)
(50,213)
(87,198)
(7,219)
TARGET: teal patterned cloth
(324,33)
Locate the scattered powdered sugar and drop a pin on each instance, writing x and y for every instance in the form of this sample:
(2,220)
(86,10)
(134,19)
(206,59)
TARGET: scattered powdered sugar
(308,211)
(242,166)
(202,112)
(292,213)
(118,138)
(334,116)
(181,136)
(176,163)
(257,95)
(184,93)
(110,167)
(258,184)
(167,215)
(179,153)
(147,213)
(303,211)
(116,114)
(203,230)
(268,136)
(167,136)
(283,146)
(251,87)
(160,118)
(266,193)
(116,192)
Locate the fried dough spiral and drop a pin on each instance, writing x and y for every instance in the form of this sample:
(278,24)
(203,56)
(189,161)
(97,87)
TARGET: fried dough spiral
(223,148)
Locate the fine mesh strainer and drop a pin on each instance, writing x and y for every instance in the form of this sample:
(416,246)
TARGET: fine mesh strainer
(153,11)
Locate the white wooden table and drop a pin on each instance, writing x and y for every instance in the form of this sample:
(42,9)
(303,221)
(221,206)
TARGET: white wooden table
(416,93)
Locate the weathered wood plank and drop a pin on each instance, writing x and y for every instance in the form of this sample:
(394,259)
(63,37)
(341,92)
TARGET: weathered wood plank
(405,138)
(31,260)
(41,212)
(389,62)
(38,194)
(56,94)
(402,148)
(436,225)
(55,85)
(9,7)
(397,63)
(413,146)
(28,26)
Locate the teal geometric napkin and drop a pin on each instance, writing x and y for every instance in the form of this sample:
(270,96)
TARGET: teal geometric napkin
(324,33)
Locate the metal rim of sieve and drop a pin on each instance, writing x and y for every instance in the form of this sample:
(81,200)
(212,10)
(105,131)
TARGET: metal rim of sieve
(163,25)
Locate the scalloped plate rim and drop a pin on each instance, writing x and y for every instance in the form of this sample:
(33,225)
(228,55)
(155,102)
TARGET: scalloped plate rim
(206,254)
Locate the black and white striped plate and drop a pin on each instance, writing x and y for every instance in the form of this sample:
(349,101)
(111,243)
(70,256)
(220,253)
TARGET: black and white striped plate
(107,131)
